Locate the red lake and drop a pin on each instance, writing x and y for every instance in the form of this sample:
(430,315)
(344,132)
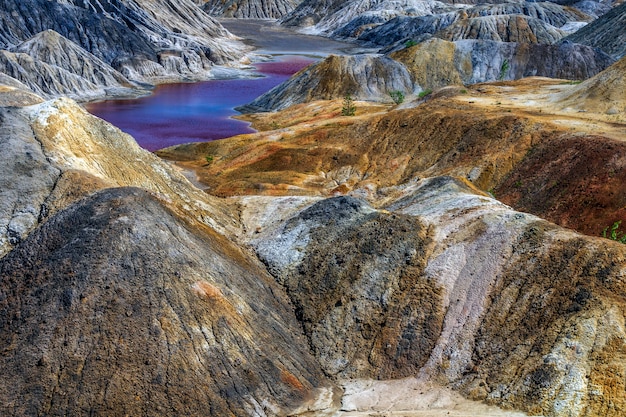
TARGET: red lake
(194,112)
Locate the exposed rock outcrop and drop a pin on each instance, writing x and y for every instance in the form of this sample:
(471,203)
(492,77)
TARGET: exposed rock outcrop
(449,284)
(415,29)
(606,33)
(364,77)
(130,310)
(53,66)
(507,28)
(332,16)
(250,9)
(56,152)
(429,65)
(151,41)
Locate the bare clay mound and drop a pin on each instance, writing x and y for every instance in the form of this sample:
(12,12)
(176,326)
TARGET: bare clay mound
(603,93)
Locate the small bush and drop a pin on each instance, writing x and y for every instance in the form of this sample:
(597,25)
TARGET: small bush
(410,43)
(397,96)
(424,93)
(348,109)
(209,159)
(503,69)
(614,234)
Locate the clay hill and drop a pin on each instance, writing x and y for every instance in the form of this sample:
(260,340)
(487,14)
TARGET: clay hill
(428,65)
(484,133)
(125,290)
(250,9)
(434,252)
(606,33)
(94,49)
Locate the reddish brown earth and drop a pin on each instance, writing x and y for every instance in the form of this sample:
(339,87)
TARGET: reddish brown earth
(524,141)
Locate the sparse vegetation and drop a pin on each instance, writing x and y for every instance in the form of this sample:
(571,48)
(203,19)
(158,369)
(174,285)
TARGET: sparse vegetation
(349,108)
(424,93)
(463,91)
(613,233)
(410,43)
(274,125)
(209,159)
(503,69)
(397,96)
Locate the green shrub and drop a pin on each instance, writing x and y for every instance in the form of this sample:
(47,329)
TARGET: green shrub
(424,93)
(348,109)
(409,43)
(397,96)
(503,69)
(614,234)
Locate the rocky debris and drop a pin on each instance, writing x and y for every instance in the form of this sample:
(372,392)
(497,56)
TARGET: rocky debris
(432,64)
(62,153)
(250,9)
(507,28)
(363,77)
(147,41)
(453,286)
(606,33)
(131,310)
(51,66)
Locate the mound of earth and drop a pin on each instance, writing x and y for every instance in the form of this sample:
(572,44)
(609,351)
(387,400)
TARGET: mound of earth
(147,41)
(447,284)
(14,93)
(431,64)
(606,33)
(507,28)
(363,77)
(132,311)
(56,153)
(604,92)
(250,9)
(51,65)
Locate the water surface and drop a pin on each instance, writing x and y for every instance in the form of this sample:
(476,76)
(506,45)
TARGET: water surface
(194,112)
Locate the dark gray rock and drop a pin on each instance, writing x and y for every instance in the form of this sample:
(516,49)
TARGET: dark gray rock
(607,33)
(54,66)
(117,307)
(123,33)
(250,9)
(502,28)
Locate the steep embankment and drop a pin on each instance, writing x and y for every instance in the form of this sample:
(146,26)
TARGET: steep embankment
(145,41)
(131,310)
(606,33)
(56,152)
(51,65)
(250,9)
(447,284)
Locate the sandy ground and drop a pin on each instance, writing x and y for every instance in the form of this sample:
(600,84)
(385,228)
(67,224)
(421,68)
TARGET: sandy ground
(411,397)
